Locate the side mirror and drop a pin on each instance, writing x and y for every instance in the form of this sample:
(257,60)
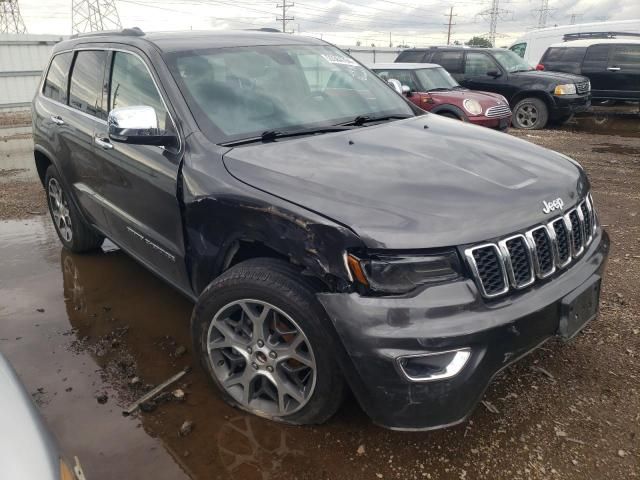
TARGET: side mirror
(397,86)
(406,90)
(137,125)
(494,73)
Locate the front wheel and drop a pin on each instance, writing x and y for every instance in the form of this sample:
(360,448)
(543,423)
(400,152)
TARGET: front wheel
(262,337)
(530,114)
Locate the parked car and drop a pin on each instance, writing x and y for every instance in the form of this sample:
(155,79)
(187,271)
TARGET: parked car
(535,97)
(611,65)
(532,45)
(329,232)
(27,449)
(433,89)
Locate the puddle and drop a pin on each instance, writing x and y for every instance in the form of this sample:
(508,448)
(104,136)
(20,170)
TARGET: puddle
(604,123)
(617,148)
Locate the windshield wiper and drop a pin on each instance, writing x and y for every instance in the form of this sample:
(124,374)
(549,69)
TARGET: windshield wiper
(272,135)
(362,119)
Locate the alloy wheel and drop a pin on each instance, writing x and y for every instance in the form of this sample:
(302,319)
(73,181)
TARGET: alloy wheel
(261,357)
(60,210)
(527,115)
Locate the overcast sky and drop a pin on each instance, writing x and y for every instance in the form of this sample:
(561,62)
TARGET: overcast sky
(414,22)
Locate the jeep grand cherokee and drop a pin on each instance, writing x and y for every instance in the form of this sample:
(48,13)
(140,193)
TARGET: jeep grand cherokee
(331,234)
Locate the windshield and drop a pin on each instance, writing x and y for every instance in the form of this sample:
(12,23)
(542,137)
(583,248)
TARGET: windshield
(435,78)
(511,62)
(241,92)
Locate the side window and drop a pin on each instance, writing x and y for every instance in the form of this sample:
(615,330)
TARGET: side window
(403,76)
(626,55)
(451,60)
(519,48)
(85,90)
(55,85)
(478,64)
(410,56)
(132,85)
(597,56)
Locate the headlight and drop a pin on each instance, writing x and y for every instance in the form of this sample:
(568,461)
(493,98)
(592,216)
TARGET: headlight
(472,106)
(399,273)
(567,89)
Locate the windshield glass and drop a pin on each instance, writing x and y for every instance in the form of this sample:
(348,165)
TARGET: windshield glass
(511,62)
(435,78)
(241,92)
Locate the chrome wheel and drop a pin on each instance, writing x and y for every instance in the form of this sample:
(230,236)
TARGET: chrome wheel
(60,210)
(527,115)
(261,357)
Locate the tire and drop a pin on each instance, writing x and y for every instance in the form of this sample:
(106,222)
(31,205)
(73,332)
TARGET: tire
(71,228)
(252,366)
(530,114)
(450,115)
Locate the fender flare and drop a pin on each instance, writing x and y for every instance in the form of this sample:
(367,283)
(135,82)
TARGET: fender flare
(448,108)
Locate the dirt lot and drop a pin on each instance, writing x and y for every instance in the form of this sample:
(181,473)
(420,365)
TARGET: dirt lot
(88,334)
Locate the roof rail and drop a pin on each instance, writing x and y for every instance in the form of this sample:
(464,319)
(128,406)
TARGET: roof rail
(125,32)
(596,35)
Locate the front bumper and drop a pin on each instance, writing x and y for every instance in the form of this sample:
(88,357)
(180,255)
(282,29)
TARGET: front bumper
(566,105)
(375,331)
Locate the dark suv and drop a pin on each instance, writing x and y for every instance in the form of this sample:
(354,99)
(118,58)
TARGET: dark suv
(612,65)
(535,97)
(330,233)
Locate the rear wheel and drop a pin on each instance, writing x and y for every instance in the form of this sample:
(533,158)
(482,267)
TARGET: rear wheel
(73,232)
(262,336)
(530,114)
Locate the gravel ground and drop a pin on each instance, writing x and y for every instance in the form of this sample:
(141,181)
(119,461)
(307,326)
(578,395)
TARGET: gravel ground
(568,411)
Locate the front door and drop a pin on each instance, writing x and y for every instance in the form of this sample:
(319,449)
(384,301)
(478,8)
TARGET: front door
(140,182)
(477,66)
(594,66)
(624,68)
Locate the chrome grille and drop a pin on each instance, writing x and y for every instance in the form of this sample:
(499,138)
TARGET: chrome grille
(498,111)
(583,87)
(515,262)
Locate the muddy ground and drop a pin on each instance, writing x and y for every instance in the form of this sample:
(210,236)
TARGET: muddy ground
(89,333)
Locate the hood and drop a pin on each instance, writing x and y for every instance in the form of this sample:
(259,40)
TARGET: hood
(424,182)
(558,77)
(486,99)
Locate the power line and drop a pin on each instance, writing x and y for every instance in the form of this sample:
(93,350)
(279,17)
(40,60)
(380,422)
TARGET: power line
(543,13)
(451,15)
(10,18)
(284,17)
(94,15)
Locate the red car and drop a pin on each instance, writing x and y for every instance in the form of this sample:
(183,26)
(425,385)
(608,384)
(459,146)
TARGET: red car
(432,88)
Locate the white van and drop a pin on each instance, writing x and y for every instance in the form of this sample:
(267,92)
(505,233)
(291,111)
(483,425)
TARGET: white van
(533,44)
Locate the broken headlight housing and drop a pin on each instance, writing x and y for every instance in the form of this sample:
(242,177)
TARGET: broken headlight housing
(400,273)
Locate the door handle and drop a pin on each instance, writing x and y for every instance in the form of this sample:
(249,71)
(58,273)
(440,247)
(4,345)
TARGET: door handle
(103,143)
(57,119)
(613,69)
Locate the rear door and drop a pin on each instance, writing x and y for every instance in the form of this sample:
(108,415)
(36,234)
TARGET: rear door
(411,56)
(594,66)
(85,114)
(451,61)
(624,68)
(140,182)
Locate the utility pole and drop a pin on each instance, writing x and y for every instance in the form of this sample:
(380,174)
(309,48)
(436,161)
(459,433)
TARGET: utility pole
(94,15)
(543,14)
(284,17)
(451,15)
(390,44)
(10,18)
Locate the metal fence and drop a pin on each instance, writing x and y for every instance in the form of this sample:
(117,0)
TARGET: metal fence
(22,58)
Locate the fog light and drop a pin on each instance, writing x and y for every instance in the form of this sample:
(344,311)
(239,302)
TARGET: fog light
(428,367)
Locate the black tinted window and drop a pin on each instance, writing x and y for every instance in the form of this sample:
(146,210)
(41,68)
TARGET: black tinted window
(55,85)
(132,85)
(626,55)
(478,64)
(410,56)
(564,55)
(85,91)
(597,55)
(451,60)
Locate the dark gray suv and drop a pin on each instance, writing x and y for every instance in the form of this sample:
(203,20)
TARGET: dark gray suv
(331,234)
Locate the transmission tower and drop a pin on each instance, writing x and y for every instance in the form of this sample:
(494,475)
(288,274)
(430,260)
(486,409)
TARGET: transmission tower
(543,13)
(493,14)
(10,18)
(94,15)
(284,19)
